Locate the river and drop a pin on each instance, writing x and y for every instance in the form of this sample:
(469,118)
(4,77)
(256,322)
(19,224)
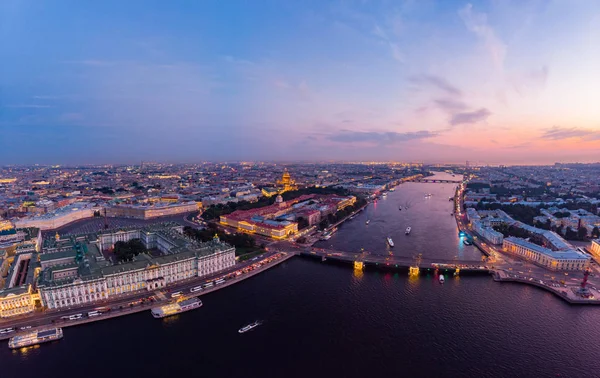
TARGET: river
(326,320)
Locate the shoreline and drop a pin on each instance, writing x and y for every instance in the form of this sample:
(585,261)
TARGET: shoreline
(146,307)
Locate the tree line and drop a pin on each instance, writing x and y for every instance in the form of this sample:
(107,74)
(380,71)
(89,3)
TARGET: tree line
(237,239)
(341,214)
(125,251)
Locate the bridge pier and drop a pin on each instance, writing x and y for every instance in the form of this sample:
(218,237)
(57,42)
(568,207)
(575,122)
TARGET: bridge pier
(413,271)
(358,265)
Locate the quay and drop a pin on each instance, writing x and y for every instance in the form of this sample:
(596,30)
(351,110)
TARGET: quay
(122,307)
(565,293)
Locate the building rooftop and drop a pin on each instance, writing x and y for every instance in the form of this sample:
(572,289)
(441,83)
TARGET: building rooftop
(572,254)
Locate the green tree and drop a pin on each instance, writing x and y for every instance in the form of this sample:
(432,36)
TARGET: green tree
(596,232)
(302,223)
(125,251)
(582,233)
(570,234)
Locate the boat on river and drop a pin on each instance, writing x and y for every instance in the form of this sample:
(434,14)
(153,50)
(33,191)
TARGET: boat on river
(35,338)
(176,308)
(390,241)
(249,327)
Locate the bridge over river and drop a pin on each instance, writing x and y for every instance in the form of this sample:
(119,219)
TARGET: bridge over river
(439,181)
(392,261)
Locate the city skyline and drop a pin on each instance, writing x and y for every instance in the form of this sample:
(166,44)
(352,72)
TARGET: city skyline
(484,81)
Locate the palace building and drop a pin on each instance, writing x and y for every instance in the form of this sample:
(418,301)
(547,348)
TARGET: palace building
(553,260)
(82,275)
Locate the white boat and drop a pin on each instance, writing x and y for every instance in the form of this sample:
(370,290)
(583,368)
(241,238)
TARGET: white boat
(35,337)
(408,229)
(249,327)
(384,195)
(442,278)
(392,190)
(390,241)
(368,221)
(176,308)
(428,195)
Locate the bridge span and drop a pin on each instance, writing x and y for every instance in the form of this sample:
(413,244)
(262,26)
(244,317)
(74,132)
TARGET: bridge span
(413,264)
(437,181)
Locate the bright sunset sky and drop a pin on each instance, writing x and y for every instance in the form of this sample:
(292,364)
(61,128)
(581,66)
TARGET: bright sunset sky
(514,82)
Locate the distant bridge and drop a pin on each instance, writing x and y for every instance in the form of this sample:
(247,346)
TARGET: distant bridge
(437,181)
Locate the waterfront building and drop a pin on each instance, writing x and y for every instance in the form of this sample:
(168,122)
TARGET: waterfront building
(17,301)
(555,260)
(487,232)
(278,221)
(83,275)
(595,249)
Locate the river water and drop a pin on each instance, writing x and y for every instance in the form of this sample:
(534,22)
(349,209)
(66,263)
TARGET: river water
(324,320)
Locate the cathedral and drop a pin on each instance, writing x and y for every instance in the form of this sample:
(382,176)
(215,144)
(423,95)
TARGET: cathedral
(284,185)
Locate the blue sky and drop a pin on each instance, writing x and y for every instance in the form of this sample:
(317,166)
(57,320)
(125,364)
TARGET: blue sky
(186,81)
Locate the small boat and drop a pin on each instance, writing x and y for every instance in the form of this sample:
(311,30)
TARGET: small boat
(390,241)
(35,337)
(408,229)
(428,195)
(249,327)
(400,208)
(442,279)
(467,242)
(368,221)
(384,195)
(392,190)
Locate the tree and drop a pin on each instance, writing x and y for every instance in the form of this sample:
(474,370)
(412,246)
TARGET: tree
(302,223)
(596,232)
(570,234)
(582,233)
(125,251)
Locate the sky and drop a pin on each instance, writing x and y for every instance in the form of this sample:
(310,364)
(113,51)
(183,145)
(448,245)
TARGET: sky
(496,82)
